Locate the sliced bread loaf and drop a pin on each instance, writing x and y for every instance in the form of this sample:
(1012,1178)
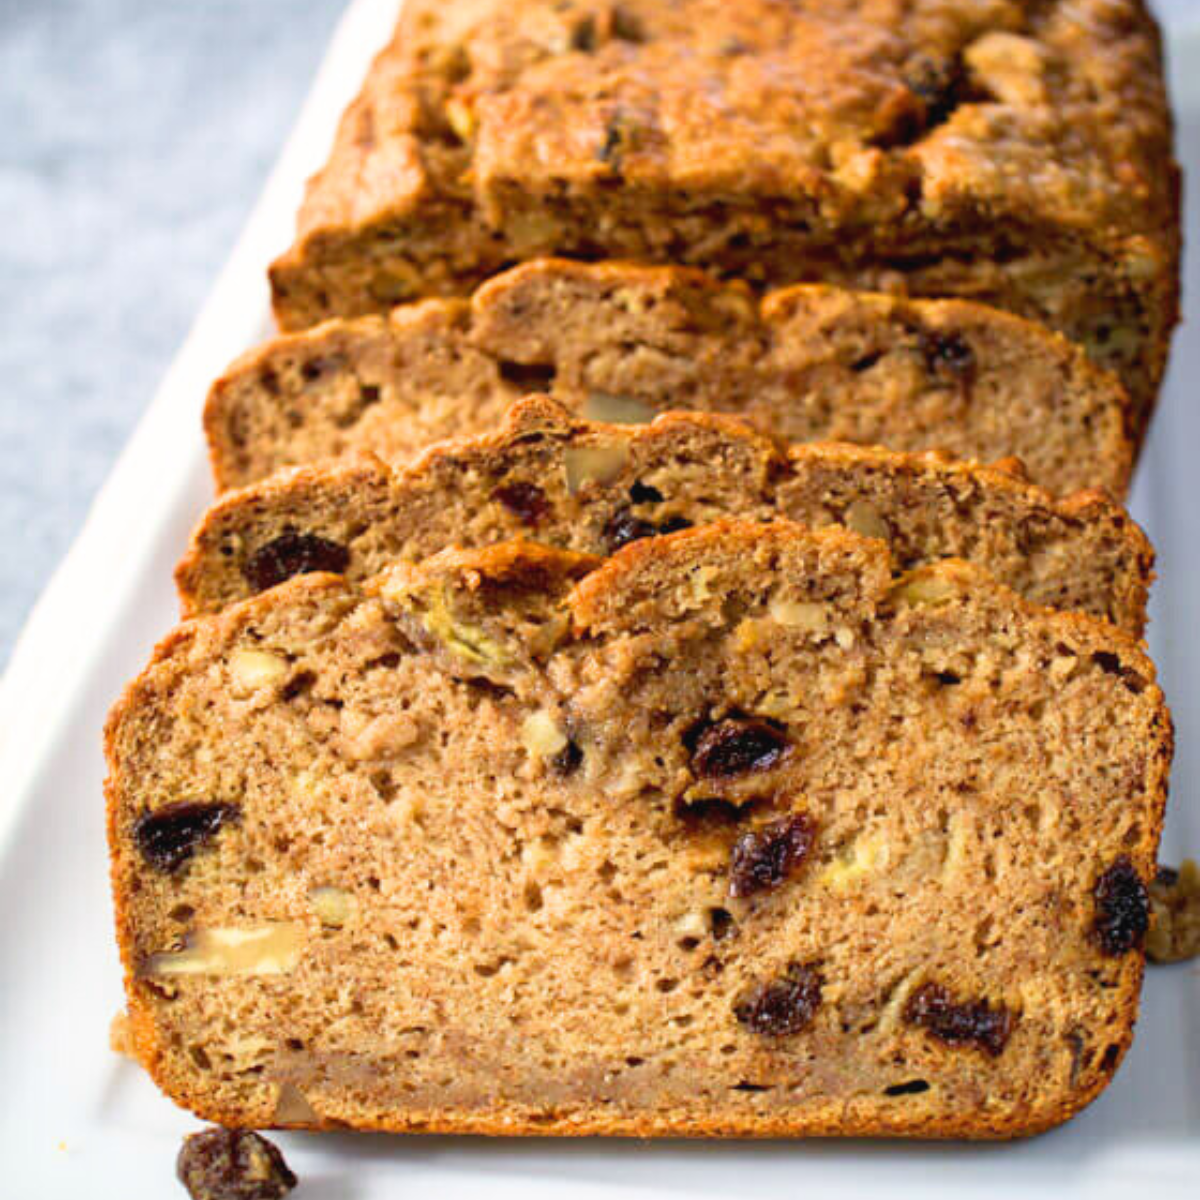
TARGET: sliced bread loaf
(738,835)
(555,478)
(1009,151)
(623,343)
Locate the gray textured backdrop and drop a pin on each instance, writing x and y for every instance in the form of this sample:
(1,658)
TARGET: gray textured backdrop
(135,136)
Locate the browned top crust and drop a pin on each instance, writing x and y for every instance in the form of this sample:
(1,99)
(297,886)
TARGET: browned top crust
(1038,113)
(895,133)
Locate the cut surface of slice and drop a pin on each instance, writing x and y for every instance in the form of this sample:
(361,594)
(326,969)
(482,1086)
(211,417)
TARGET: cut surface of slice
(623,343)
(734,834)
(551,477)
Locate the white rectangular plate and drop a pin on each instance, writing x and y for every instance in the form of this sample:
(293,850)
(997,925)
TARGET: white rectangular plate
(77,1121)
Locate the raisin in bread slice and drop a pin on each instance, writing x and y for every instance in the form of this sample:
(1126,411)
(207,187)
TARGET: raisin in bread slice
(590,487)
(735,836)
(622,343)
(1018,153)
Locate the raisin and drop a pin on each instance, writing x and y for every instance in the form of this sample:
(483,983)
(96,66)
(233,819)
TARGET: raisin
(721,923)
(866,361)
(232,1164)
(914,1087)
(644,493)
(529,377)
(948,355)
(567,761)
(782,1007)
(624,528)
(297,685)
(583,35)
(974,1023)
(1122,908)
(526,501)
(934,90)
(312,369)
(938,83)
(293,553)
(167,837)
(763,858)
(738,745)
(673,525)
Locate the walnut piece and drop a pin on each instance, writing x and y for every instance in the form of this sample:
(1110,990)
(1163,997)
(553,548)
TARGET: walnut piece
(594,464)
(270,949)
(617,410)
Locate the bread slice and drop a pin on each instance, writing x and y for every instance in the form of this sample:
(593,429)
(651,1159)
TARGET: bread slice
(736,836)
(620,342)
(593,488)
(1016,153)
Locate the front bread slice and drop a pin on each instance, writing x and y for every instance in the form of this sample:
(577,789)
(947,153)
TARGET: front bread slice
(732,834)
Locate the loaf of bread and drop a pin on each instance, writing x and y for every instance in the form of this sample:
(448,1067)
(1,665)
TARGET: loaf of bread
(1011,152)
(736,834)
(622,343)
(566,482)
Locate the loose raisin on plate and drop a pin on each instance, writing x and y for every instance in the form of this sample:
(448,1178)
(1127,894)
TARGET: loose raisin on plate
(975,1022)
(526,501)
(1122,908)
(763,858)
(782,1007)
(169,836)
(736,746)
(1175,900)
(293,553)
(232,1164)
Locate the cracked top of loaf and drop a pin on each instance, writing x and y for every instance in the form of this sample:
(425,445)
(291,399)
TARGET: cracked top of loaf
(1013,152)
(872,109)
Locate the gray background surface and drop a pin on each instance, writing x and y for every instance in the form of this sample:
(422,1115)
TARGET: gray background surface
(134,137)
